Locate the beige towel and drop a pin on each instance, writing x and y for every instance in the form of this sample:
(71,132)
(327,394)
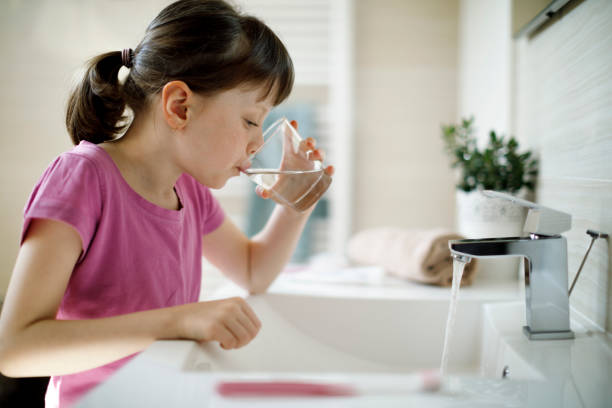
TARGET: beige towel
(420,255)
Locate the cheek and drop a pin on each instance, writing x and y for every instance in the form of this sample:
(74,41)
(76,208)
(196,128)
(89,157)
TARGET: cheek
(224,151)
(231,144)
(216,143)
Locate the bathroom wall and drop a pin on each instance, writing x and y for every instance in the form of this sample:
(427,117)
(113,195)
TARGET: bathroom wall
(563,110)
(405,87)
(560,105)
(484,65)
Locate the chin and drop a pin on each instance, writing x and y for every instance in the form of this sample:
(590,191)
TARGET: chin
(219,179)
(220,182)
(217,184)
(214,183)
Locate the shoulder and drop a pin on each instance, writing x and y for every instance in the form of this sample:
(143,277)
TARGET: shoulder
(71,189)
(89,156)
(84,159)
(75,175)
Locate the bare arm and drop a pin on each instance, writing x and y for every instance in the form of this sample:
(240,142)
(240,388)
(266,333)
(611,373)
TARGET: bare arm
(33,343)
(254,264)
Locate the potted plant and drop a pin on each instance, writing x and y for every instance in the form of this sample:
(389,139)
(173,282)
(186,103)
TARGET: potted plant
(500,166)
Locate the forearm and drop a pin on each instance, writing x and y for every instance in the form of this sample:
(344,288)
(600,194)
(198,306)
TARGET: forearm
(271,249)
(58,347)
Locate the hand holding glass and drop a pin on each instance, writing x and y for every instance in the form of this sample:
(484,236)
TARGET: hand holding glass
(285,168)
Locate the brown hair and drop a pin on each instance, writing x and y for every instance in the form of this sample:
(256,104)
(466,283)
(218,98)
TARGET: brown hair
(205,43)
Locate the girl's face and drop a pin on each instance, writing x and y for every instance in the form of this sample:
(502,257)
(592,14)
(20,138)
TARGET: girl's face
(223,131)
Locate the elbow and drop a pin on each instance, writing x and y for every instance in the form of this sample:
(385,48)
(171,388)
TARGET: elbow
(258,286)
(3,356)
(253,292)
(5,360)
(9,360)
(255,289)
(6,371)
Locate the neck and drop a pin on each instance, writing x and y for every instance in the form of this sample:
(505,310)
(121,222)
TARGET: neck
(144,158)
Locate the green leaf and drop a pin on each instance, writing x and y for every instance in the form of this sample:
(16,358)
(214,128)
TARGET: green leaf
(492,136)
(499,166)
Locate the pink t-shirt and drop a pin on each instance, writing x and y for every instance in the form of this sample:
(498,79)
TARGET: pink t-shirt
(136,255)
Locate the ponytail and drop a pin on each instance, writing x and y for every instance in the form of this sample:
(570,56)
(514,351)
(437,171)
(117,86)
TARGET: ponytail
(95,108)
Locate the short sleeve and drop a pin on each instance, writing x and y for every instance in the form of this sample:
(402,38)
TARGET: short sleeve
(69,191)
(214,214)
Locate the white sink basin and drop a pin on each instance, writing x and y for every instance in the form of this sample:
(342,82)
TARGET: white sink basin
(325,334)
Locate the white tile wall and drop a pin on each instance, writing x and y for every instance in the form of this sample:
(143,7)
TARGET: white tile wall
(405,87)
(563,106)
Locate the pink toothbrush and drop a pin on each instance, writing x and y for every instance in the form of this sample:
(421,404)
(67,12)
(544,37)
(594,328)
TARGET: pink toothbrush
(282,389)
(425,381)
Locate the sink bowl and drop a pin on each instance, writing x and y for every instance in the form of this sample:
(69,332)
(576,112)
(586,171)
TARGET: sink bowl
(320,334)
(326,334)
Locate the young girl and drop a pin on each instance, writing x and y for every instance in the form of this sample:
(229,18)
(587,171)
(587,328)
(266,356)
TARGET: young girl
(115,229)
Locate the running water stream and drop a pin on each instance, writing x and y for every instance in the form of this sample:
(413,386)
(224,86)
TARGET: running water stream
(458,266)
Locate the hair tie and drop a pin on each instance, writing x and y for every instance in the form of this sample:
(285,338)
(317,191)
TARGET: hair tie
(126,57)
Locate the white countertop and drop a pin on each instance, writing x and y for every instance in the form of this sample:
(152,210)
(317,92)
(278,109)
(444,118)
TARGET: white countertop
(485,287)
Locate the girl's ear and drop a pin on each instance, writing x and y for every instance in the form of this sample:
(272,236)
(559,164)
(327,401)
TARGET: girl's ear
(176,99)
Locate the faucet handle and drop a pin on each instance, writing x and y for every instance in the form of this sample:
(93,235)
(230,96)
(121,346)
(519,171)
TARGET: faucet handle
(540,219)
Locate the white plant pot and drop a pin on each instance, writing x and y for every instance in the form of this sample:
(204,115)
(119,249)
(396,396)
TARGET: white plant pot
(478,216)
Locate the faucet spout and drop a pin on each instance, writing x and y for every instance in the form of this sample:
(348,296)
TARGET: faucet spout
(489,247)
(461,258)
(546,295)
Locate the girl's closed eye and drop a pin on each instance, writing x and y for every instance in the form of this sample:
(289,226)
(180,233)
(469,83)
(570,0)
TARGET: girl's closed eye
(251,123)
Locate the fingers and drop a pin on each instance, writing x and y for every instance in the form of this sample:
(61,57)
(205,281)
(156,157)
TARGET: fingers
(262,192)
(251,315)
(243,327)
(231,322)
(240,336)
(307,145)
(224,336)
(316,154)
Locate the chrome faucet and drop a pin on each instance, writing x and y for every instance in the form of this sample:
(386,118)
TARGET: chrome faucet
(545,258)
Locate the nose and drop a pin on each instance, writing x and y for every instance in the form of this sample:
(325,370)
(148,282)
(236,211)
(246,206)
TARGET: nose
(256,143)
(252,149)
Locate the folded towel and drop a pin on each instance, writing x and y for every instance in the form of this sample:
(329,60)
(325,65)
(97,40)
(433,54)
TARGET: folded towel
(420,255)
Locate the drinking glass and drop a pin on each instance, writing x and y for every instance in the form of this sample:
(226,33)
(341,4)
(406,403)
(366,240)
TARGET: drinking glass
(284,169)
